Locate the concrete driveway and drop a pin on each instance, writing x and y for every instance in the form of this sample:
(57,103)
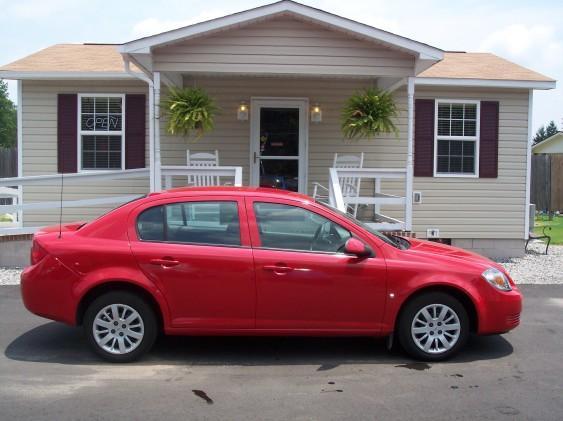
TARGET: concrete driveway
(46,372)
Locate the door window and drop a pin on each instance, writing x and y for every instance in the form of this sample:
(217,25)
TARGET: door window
(215,223)
(293,228)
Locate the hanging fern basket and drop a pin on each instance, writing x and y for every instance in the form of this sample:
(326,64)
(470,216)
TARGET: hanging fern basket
(190,111)
(369,113)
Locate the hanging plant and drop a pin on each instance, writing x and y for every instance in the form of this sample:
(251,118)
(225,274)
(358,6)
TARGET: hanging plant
(190,111)
(369,113)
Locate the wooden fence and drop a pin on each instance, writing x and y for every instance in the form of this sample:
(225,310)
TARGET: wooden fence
(547,182)
(8,162)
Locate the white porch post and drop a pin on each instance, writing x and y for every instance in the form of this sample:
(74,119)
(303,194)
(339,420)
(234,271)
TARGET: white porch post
(19,122)
(157,161)
(410,152)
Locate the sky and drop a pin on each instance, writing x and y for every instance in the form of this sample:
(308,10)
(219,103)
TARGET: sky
(528,32)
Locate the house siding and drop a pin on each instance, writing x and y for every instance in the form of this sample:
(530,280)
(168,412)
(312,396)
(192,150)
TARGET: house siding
(480,208)
(39,156)
(462,208)
(283,46)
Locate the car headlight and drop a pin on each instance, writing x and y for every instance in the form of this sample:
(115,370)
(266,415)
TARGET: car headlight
(497,279)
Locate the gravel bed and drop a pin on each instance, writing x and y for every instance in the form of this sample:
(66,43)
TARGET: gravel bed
(533,268)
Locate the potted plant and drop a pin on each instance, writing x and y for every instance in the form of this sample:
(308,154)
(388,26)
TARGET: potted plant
(369,113)
(190,111)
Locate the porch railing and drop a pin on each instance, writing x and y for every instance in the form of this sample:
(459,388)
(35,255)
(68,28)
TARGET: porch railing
(13,185)
(378,199)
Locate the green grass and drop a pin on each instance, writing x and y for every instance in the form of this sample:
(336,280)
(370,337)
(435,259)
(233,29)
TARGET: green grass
(556,225)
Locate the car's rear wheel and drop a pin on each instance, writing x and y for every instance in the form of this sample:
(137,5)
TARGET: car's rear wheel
(433,326)
(120,326)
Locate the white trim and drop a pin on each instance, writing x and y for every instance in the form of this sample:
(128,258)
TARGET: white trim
(7,74)
(144,45)
(280,102)
(20,146)
(476,138)
(56,204)
(528,165)
(81,132)
(485,83)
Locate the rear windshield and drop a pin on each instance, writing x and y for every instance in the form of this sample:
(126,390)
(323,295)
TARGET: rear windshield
(117,207)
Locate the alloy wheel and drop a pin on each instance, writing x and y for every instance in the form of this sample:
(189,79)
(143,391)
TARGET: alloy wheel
(435,328)
(118,329)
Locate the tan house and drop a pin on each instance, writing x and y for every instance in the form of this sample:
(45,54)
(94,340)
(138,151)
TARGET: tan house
(458,169)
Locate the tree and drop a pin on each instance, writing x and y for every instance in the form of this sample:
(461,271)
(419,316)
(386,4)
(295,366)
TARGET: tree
(551,129)
(540,135)
(8,119)
(545,131)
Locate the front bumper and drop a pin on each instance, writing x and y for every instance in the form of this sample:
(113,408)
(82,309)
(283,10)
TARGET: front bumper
(499,310)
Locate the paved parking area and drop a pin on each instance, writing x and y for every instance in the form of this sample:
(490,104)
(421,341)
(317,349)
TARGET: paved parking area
(46,373)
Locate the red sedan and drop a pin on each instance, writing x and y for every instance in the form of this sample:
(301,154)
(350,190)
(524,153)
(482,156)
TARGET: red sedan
(246,261)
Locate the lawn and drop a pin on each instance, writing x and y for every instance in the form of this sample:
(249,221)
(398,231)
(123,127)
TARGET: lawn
(556,225)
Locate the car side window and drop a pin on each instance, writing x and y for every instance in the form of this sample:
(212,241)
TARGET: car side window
(294,228)
(215,223)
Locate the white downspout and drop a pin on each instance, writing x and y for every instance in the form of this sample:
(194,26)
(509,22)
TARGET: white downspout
(157,160)
(410,160)
(152,161)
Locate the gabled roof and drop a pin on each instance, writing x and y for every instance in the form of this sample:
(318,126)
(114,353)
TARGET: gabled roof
(283,7)
(103,61)
(551,145)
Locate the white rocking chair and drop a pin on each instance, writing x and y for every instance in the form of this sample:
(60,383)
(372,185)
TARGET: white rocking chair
(350,185)
(203,159)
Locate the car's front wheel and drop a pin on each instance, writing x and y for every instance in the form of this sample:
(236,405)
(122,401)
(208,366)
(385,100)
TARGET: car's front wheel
(120,326)
(433,326)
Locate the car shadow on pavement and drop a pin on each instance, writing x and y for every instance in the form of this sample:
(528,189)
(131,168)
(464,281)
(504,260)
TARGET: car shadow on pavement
(61,344)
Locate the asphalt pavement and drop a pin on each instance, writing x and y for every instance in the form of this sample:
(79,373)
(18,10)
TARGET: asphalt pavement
(48,373)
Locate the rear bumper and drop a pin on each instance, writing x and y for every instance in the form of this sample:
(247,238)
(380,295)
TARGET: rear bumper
(46,290)
(500,311)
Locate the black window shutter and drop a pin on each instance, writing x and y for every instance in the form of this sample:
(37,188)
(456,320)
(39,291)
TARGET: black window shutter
(488,139)
(424,138)
(67,133)
(135,133)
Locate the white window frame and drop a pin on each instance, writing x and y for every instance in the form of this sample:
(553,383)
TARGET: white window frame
(475,138)
(99,132)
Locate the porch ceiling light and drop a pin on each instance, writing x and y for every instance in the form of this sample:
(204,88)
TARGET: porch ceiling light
(316,114)
(242,113)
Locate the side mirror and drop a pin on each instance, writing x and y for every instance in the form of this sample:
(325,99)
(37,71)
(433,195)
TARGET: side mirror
(357,248)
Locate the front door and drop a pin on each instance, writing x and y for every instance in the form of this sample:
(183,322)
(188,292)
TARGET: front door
(278,143)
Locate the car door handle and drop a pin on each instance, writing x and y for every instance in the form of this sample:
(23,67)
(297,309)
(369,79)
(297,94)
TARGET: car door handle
(166,262)
(279,269)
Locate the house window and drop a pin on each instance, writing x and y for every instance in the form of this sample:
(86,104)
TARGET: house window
(101,132)
(457,138)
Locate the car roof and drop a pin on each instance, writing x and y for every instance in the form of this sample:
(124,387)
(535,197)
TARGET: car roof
(231,191)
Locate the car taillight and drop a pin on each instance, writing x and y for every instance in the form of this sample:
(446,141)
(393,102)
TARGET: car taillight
(37,253)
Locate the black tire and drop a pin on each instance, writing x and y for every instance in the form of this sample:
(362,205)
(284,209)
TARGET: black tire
(138,304)
(408,314)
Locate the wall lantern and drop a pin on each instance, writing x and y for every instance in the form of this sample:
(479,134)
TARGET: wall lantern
(316,114)
(242,113)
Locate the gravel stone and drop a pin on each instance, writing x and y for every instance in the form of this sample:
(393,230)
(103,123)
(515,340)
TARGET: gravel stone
(533,268)
(9,276)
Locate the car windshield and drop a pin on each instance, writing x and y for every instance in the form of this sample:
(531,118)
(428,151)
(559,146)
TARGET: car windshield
(390,239)
(117,207)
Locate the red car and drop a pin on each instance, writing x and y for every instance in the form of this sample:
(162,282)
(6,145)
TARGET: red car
(254,261)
